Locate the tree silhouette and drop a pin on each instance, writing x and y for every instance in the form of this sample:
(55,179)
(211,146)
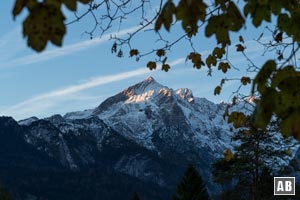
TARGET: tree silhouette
(135,196)
(191,186)
(250,165)
(4,195)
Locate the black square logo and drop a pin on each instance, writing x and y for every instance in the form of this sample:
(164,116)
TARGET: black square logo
(284,185)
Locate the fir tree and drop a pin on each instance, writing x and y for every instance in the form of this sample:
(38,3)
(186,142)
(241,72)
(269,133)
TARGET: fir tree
(135,196)
(4,195)
(250,164)
(191,186)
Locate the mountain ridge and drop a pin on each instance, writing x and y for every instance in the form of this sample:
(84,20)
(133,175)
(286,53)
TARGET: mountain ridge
(147,132)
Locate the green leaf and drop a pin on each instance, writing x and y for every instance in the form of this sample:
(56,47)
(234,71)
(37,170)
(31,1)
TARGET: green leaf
(291,126)
(263,75)
(265,108)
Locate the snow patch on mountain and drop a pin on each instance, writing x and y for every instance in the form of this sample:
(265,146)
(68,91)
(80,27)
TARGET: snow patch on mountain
(28,121)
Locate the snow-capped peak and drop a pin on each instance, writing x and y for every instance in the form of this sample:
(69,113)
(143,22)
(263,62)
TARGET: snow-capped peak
(149,84)
(185,94)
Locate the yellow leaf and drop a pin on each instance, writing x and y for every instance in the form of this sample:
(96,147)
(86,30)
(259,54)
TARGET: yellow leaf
(238,119)
(228,155)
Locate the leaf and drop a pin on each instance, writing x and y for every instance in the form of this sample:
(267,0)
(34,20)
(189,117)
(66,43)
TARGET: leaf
(196,60)
(114,48)
(151,65)
(165,67)
(166,16)
(234,99)
(217,90)
(222,82)
(21,4)
(228,155)
(259,11)
(240,48)
(245,80)
(234,17)
(265,108)
(291,125)
(45,23)
(160,52)
(120,53)
(224,66)
(278,37)
(220,25)
(219,52)
(133,52)
(85,1)
(263,75)
(71,4)
(241,39)
(190,13)
(211,60)
(238,119)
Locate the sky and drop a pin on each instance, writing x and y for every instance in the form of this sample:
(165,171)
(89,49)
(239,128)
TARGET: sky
(84,72)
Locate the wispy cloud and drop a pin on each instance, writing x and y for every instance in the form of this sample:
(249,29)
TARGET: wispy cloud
(40,103)
(67,49)
(11,43)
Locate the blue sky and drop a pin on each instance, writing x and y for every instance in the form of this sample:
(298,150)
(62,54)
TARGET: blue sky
(83,73)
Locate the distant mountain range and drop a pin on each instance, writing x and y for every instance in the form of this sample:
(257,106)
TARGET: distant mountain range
(140,140)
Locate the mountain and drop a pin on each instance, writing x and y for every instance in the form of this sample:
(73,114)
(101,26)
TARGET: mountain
(139,140)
